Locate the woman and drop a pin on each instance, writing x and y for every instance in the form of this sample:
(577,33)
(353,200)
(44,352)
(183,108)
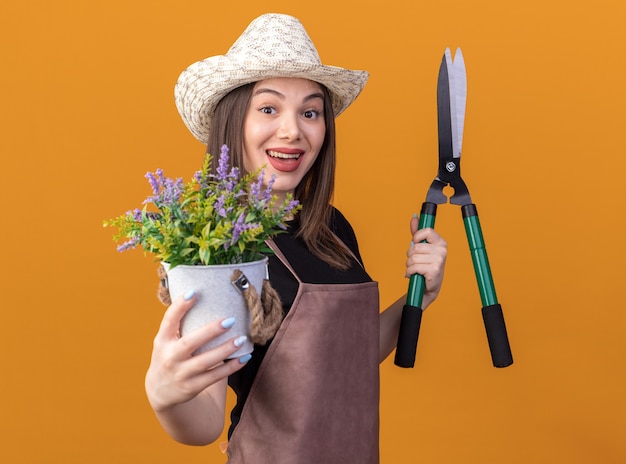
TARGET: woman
(311,394)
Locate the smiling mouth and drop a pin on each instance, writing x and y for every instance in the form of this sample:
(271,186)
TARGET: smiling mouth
(284,156)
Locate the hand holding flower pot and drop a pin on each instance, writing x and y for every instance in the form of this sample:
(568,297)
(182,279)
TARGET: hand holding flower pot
(217,219)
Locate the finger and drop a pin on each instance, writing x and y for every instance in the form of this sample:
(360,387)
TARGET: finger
(216,357)
(425,248)
(426,259)
(218,372)
(429,235)
(210,367)
(414,224)
(170,324)
(426,252)
(190,342)
(425,264)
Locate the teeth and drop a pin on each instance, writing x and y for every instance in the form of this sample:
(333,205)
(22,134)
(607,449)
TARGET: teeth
(277,154)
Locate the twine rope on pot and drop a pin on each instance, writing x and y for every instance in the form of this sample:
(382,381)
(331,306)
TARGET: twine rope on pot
(266,311)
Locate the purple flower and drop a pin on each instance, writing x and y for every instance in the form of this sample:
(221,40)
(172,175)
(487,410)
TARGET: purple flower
(255,188)
(267,195)
(293,204)
(222,166)
(288,209)
(166,191)
(172,190)
(154,183)
(219,206)
(229,185)
(238,228)
(132,243)
(135,214)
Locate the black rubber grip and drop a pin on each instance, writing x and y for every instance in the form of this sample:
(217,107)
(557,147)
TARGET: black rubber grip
(408,335)
(497,336)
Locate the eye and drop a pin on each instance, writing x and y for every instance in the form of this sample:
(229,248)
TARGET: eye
(267,110)
(311,114)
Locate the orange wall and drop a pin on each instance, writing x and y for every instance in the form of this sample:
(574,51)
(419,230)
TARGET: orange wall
(87,109)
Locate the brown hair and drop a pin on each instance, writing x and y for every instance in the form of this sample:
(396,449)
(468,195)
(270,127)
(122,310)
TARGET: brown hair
(314,192)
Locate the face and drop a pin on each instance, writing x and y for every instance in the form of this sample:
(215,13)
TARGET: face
(284,130)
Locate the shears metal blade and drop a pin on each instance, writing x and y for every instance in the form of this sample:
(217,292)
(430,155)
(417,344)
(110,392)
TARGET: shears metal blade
(451,101)
(457,91)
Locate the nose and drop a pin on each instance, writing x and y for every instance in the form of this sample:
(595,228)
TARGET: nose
(289,128)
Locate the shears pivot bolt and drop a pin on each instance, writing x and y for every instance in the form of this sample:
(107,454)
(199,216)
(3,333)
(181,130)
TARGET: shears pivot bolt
(450,166)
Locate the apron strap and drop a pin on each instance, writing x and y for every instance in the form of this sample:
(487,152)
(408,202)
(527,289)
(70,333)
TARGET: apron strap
(270,243)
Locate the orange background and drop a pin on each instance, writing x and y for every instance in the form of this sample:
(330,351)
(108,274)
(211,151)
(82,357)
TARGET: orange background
(87,109)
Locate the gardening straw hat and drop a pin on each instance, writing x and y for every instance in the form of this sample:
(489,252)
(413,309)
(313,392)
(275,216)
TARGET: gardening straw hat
(273,45)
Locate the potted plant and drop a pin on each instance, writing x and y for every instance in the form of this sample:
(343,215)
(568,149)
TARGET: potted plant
(206,232)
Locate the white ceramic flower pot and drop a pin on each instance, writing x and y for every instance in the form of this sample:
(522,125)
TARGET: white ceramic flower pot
(216,298)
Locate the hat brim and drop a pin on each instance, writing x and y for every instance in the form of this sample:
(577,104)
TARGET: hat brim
(203,84)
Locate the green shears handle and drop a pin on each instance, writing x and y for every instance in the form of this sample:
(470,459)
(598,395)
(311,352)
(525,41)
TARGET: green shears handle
(412,311)
(492,311)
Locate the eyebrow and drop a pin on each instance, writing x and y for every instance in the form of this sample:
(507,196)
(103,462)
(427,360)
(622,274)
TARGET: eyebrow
(263,90)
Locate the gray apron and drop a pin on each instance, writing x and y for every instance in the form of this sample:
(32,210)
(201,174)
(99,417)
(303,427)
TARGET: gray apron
(315,398)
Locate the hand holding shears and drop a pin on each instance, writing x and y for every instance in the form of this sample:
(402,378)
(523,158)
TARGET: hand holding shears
(451,99)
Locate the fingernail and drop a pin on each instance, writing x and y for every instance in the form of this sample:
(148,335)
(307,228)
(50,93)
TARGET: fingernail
(245,358)
(228,322)
(414,215)
(189,295)
(240,340)
(411,245)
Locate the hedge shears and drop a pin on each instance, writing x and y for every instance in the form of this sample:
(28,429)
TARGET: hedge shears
(451,98)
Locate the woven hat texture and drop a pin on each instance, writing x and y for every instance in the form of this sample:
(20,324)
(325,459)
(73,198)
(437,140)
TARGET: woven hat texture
(273,45)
